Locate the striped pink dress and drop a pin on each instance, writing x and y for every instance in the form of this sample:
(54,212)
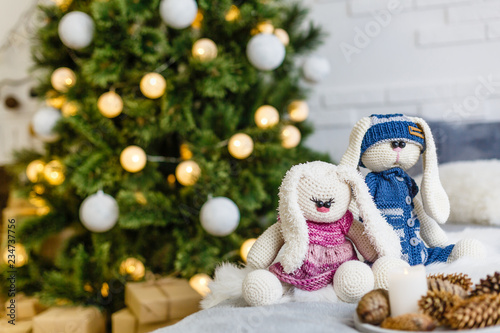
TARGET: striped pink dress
(328,249)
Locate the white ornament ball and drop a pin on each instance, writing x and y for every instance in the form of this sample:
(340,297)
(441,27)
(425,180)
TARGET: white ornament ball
(43,123)
(219,216)
(265,52)
(178,14)
(76,30)
(315,69)
(99,212)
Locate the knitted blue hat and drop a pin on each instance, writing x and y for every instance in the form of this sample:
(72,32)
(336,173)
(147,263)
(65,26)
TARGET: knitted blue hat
(390,127)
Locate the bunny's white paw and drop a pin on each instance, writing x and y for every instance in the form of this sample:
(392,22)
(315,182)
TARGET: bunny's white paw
(352,280)
(467,247)
(261,287)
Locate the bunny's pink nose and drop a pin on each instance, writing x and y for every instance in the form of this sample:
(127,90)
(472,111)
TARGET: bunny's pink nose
(323,209)
(397,149)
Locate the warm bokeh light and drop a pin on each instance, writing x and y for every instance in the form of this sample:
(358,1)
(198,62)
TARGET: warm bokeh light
(62,79)
(240,145)
(204,49)
(245,248)
(199,282)
(187,173)
(110,104)
(290,137)
(153,85)
(232,14)
(54,173)
(132,267)
(133,159)
(34,171)
(298,111)
(266,116)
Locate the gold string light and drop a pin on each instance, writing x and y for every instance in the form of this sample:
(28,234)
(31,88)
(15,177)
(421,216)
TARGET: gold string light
(290,137)
(245,248)
(282,36)
(54,172)
(266,116)
(133,159)
(240,145)
(153,85)
(132,267)
(69,109)
(16,255)
(110,104)
(62,79)
(204,49)
(34,171)
(298,111)
(187,173)
(232,14)
(199,282)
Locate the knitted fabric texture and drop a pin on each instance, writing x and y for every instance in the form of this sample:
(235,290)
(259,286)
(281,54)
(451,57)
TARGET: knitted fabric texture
(328,249)
(391,127)
(393,191)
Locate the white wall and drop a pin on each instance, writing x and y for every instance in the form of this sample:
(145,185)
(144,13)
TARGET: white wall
(431,58)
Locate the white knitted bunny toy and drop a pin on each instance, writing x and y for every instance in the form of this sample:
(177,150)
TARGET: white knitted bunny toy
(314,221)
(389,145)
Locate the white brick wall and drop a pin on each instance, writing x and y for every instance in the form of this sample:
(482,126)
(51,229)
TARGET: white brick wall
(431,60)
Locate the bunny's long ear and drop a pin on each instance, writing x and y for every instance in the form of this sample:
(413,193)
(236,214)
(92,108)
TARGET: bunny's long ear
(293,223)
(353,154)
(434,197)
(380,234)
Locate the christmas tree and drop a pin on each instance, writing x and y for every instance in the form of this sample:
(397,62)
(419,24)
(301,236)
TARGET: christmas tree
(155,110)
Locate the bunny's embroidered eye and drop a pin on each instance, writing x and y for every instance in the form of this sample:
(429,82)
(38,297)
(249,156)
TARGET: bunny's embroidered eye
(320,203)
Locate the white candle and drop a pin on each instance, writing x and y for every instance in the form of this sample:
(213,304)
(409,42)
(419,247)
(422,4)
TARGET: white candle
(406,286)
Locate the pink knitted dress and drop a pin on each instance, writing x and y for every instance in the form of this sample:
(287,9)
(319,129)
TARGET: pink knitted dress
(328,249)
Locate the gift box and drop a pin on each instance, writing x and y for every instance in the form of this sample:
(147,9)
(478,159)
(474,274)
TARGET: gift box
(24,307)
(69,320)
(124,321)
(23,326)
(161,300)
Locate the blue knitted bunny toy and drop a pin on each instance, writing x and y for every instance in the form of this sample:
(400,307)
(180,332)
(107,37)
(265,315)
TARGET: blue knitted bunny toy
(389,145)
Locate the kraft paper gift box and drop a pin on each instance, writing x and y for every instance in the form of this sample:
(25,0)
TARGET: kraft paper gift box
(25,307)
(124,321)
(69,320)
(161,300)
(20,326)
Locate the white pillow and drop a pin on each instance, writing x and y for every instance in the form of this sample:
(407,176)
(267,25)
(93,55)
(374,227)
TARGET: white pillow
(474,191)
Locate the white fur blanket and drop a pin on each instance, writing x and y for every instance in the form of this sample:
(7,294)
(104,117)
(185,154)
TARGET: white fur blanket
(328,313)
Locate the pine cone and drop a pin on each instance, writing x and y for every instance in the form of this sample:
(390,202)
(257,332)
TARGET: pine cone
(373,308)
(442,285)
(409,322)
(475,312)
(459,279)
(437,303)
(490,285)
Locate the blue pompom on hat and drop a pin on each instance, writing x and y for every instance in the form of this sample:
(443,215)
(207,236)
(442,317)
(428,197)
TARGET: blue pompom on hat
(390,127)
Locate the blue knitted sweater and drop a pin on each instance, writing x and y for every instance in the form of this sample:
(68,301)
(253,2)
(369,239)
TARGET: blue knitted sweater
(393,191)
